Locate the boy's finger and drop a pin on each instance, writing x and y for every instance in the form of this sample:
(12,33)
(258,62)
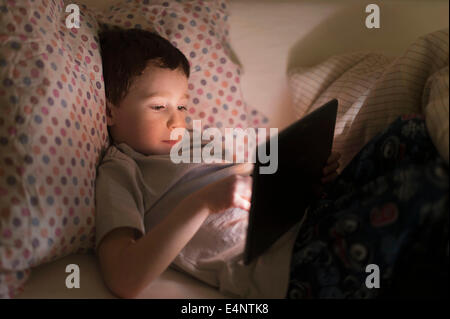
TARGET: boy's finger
(330,178)
(333,157)
(330,168)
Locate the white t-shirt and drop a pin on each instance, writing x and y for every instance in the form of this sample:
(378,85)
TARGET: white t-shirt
(138,191)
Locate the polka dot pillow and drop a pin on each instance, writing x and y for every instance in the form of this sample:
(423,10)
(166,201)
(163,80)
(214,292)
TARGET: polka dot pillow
(52,131)
(200,30)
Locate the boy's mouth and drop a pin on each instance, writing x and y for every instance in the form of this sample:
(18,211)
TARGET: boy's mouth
(171,142)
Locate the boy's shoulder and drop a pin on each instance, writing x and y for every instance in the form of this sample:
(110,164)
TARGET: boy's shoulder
(114,155)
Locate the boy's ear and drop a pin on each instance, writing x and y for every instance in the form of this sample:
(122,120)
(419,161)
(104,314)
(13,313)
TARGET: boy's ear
(110,113)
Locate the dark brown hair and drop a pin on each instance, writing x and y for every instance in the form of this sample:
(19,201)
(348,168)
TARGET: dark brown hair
(125,54)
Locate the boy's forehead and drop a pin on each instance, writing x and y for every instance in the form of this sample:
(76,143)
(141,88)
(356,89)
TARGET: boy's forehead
(154,79)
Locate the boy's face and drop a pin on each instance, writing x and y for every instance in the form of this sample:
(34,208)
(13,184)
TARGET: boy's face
(154,105)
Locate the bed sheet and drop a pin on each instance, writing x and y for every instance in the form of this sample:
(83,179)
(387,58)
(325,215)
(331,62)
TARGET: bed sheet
(48,281)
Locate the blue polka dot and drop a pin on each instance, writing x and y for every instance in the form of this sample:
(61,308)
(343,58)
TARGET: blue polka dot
(50,200)
(13,99)
(225,107)
(23,139)
(31,179)
(35,243)
(38,119)
(15,45)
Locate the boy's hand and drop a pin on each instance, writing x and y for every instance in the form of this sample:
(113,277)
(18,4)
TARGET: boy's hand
(232,191)
(329,171)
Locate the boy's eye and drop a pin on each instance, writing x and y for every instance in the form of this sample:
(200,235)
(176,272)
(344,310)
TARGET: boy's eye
(182,108)
(157,107)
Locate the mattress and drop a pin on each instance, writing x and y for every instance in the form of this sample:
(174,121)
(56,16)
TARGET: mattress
(268,38)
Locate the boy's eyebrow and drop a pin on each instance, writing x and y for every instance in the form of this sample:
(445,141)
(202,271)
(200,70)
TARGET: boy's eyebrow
(186,95)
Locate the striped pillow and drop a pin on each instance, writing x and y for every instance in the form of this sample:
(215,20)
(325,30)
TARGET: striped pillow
(373,90)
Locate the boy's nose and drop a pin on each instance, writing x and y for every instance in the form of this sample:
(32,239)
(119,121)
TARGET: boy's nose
(176,120)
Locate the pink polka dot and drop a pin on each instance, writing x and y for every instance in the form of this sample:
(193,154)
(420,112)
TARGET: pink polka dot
(34,73)
(229,74)
(208,41)
(44,110)
(238,102)
(177,35)
(26,253)
(3,191)
(219,69)
(199,91)
(12,130)
(25,212)
(55,93)
(94,45)
(57,190)
(236,79)
(63,132)
(20,170)
(192,110)
(229,98)
(87,59)
(7,233)
(202,114)
(210,119)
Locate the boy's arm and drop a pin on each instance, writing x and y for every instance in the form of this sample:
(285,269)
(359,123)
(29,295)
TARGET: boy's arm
(129,265)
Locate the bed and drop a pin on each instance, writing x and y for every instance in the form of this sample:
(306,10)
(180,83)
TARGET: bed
(268,38)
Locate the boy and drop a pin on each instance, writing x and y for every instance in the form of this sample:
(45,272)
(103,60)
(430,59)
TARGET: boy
(150,212)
